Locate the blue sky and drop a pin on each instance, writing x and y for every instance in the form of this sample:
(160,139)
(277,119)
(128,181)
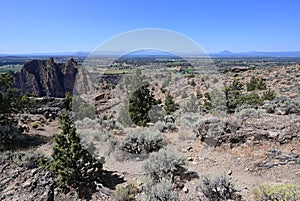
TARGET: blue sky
(28,26)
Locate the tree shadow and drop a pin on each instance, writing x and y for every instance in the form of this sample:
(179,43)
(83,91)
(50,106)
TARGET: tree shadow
(34,140)
(111,179)
(189,175)
(25,141)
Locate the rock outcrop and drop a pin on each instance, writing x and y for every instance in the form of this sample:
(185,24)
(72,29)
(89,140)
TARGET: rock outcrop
(50,107)
(278,128)
(22,179)
(46,78)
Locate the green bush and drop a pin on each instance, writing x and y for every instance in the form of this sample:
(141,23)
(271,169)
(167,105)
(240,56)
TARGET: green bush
(268,95)
(215,102)
(249,112)
(162,191)
(192,105)
(146,141)
(165,164)
(218,189)
(192,83)
(251,99)
(10,135)
(256,84)
(126,193)
(199,94)
(28,159)
(280,192)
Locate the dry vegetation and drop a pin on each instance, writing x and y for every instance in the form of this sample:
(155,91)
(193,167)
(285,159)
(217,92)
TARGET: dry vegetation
(199,152)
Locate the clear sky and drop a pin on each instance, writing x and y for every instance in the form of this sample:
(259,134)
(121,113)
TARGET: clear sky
(35,26)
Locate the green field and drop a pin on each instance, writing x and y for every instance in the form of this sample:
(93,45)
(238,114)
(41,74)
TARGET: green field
(7,68)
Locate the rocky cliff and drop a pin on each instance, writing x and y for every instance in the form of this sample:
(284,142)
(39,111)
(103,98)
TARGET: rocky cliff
(46,78)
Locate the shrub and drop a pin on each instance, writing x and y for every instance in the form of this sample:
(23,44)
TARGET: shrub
(251,99)
(192,105)
(249,112)
(215,80)
(280,192)
(189,123)
(126,193)
(171,127)
(159,125)
(10,136)
(166,83)
(218,189)
(162,191)
(124,116)
(215,102)
(87,123)
(268,95)
(165,164)
(147,141)
(28,159)
(36,124)
(162,127)
(82,108)
(192,83)
(199,94)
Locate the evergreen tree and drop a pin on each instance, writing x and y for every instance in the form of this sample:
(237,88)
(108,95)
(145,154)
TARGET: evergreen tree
(74,165)
(170,105)
(11,102)
(256,84)
(140,104)
(233,95)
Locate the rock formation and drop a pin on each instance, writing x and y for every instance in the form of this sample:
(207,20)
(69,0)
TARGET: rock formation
(46,78)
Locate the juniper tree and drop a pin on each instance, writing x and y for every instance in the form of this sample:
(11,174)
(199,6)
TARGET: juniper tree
(74,165)
(170,105)
(140,103)
(233,95)
(11,102)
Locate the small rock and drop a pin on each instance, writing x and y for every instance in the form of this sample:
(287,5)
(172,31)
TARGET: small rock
(194,163)
(189,148)
(229,172)
(190,159)
(180,185)
(185,189)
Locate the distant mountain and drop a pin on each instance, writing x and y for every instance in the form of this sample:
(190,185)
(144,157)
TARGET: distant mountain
(150,52)
(227,53)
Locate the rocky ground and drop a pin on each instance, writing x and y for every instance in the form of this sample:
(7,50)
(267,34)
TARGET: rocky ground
(252,148)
